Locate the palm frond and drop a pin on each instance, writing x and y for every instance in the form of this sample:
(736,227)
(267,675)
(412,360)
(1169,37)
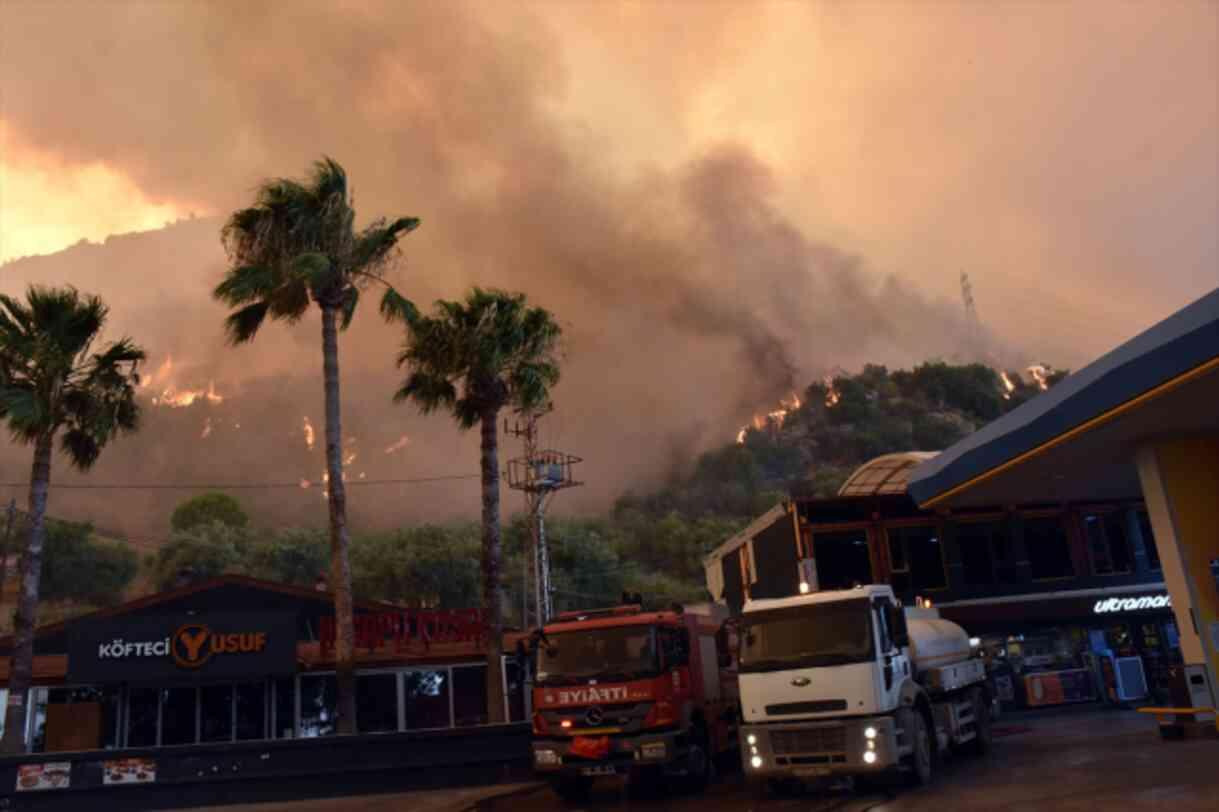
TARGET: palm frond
(246,283)
(81,448)
(429,392)
(351,299)
(242,325)
(397,308)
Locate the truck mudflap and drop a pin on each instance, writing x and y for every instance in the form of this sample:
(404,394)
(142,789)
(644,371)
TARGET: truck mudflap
(612,755)
(818,749)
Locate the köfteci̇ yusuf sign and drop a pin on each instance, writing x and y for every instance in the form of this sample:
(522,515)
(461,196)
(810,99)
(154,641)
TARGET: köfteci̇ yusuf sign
(175,647)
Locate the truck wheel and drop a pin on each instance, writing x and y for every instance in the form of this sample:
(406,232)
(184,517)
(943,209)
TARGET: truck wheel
(573,789)
(982,741)
(698,761)
(920,758)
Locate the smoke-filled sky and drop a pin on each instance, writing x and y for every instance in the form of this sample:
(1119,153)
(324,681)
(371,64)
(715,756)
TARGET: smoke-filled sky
(720,200)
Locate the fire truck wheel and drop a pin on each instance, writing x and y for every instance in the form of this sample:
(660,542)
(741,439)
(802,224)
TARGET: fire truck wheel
(698,761)
(921,759)
(573,789)
(982,742)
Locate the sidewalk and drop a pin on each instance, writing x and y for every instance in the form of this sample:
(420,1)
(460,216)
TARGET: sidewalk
(432,800)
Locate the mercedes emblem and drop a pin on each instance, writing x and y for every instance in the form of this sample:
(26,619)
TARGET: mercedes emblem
(593,716)
(800,682)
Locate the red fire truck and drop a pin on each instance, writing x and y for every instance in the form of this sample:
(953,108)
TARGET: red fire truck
(621,691)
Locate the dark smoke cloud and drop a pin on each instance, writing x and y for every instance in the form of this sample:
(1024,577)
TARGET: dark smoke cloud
(689,299)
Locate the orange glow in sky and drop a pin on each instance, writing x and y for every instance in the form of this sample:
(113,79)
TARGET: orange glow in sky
(46,206)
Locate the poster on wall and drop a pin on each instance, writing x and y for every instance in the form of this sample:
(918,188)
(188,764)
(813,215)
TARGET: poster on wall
(129,771)
(51,775)
(1004,688)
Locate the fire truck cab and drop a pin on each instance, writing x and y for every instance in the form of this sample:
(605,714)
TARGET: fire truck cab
(624,692)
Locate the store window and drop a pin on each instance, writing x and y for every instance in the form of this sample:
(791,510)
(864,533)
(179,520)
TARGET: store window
(427,698)
(1149,540)
(216,713)
(251,710)
(1048,551)
(285,709)
(178,717)
(376,703)
(918,560)
(1107,543)
(976,544)
(515,675)
(38,721)
(470,695)
(142,709)
(842,558)
(319,706)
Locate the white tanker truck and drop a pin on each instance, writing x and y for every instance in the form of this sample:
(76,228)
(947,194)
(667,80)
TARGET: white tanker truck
(850,683)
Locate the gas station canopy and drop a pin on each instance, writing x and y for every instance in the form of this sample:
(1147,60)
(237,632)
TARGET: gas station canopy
(1077,441)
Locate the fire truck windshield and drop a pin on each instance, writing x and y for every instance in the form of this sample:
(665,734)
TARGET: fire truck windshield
(610,653)
(807,636)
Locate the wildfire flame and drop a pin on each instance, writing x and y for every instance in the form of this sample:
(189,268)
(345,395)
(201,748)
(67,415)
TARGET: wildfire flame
(831,394)
(1039,373)
(776,417)
(309,436)
(170,394)
(1007,383)
(398,444)
(207,429)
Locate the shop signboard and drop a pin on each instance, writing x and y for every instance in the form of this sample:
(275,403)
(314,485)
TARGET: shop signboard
(177,647)
(129,771)
(1140,603)
(49,775)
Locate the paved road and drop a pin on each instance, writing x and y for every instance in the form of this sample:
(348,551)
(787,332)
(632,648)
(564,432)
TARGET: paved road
(1060,761)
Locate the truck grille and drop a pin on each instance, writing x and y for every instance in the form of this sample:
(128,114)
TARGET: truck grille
(828,739)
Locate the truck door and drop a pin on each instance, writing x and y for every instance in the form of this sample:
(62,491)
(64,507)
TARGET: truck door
(892,661)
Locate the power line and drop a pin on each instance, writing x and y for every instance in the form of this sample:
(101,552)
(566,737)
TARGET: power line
(232,486)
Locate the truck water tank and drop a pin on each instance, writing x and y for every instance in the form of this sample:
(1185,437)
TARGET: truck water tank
(935,641)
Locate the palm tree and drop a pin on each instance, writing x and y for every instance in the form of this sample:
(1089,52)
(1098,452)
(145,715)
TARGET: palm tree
(298,245)
(51,384)
(473,358)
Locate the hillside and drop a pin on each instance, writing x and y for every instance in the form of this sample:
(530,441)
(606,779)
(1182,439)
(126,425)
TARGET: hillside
(837,424)
(651,543)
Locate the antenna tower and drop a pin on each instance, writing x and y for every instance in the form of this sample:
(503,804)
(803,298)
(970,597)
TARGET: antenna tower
(972,323)
(540,473)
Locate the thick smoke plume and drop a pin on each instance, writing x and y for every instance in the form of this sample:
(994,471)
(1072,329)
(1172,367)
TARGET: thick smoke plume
(690,301)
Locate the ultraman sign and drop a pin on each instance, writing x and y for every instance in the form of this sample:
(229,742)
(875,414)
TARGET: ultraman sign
(1139,604)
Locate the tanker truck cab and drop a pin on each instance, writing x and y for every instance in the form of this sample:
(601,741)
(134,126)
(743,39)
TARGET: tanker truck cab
(622,691)
(832,684)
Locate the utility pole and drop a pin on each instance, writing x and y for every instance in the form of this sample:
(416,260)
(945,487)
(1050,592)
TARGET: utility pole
(540,473)
(8,535)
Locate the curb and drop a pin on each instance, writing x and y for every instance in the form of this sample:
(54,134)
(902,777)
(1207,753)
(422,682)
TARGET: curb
(475,806)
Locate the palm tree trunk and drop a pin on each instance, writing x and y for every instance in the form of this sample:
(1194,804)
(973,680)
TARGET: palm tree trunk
(340,564)
(21,668)
(491,566)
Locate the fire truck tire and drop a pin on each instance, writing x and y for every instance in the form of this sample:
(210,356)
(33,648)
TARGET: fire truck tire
(698,761)
(981,743)
(921,759)
(573,789)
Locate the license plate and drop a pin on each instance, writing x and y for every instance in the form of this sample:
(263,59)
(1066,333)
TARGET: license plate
(602,769)
(812,772)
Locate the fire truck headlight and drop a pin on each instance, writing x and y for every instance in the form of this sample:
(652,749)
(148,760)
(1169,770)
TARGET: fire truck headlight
(869,757)
(751,739)
(869,733)
(756,761)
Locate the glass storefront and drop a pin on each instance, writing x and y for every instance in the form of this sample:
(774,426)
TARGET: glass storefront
(1076,663)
